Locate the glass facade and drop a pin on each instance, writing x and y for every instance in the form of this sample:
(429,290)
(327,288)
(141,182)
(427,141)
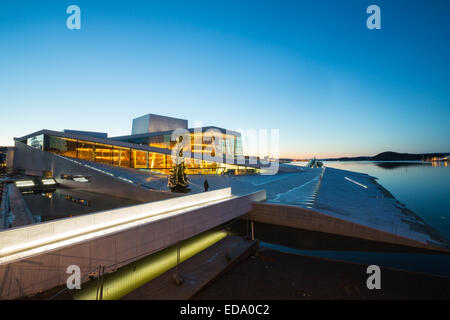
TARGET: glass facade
(139,159)
(62,146)
(36,142)
(129,157)
(162,141)
(85,150)
(103,153)
(121,157)
(158,160)
(200,143)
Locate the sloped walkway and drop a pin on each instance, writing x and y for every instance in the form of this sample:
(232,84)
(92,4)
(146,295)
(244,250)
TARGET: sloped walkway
(358,198)
(348,195)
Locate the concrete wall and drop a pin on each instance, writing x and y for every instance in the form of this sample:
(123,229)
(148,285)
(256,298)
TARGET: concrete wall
(4,203)
(18,208)
(140,125)
(297,217)
(156,123)
(35,162)
(161,123)
(10,160)
(48,269)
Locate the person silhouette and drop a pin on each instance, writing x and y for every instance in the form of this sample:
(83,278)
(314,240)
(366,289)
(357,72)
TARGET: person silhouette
(206,185)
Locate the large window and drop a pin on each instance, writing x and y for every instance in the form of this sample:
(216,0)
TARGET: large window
(121,157)
(103,153)
(62,146)
(36,142)
(85,150)
(162,141)
(138,159)
(156,160)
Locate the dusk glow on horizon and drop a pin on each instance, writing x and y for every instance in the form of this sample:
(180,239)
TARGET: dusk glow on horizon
(311,69)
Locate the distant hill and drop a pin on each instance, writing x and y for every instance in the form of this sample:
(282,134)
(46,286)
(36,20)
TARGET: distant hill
(361,158)
(392,156)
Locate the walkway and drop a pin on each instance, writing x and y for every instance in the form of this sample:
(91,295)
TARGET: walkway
(358,198)
(351,196)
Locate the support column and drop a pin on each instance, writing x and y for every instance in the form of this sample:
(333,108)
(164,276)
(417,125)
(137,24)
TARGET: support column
(176,277)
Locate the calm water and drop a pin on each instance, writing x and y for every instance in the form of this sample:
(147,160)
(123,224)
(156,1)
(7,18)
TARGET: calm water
(64,203)
(425,189)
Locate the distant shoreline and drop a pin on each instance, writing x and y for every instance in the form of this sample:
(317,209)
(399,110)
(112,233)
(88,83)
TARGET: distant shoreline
(385,156)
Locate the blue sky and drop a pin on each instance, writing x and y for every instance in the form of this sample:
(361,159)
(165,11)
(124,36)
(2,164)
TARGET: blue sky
(308,68)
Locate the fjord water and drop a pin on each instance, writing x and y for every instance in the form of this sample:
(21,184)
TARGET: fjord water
(424,187)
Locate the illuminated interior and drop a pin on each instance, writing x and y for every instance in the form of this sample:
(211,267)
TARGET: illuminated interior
(200,142)
(136,158)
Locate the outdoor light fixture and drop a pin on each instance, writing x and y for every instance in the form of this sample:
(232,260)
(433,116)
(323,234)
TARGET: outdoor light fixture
(24,183)
(357,183)
(48,181)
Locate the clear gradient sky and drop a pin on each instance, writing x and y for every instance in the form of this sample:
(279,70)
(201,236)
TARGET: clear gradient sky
(309,68)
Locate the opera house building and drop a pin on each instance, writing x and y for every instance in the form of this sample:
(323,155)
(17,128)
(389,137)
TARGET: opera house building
(149,147)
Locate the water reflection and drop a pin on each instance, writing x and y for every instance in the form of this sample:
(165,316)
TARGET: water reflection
(62,203)
(394,165)
(336,247)
(83,202)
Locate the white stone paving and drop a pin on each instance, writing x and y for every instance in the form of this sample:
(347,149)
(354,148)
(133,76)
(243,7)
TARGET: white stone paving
(369,206)
(333,195)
